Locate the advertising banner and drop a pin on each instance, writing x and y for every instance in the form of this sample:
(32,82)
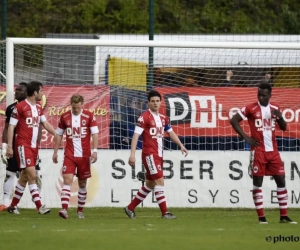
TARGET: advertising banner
(207,111)
(202,179)
(56,100)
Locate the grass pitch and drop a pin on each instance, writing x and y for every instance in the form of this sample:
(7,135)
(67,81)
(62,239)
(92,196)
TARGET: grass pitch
(110,228)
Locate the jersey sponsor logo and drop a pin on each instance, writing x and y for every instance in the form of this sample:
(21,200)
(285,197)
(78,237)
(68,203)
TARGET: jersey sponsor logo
(157,132)
(77,132)
(265,124)
(32,122)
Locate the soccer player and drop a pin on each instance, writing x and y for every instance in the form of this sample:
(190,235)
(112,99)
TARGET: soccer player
(80,125)
(262,118)
(11,163)
(151,125)
(26,118)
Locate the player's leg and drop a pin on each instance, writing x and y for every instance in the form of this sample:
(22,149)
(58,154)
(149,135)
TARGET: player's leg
(141,194)
(83,173)
(38,176)
(9,182)
(258,172)
(68,172)
(20,186)
(19,190)
(82,194)
(276,169)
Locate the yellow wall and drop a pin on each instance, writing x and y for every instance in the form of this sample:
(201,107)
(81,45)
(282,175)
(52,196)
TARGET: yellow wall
(127,73)
(286,76)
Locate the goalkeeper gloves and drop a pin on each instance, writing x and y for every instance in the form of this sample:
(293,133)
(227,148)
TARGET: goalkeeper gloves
(3,153)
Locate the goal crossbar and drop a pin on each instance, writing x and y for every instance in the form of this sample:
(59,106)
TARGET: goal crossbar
(10,42)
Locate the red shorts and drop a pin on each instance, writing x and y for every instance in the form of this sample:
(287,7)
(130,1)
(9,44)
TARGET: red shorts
(266,163)
(81,166)
(26,156)
(154,166)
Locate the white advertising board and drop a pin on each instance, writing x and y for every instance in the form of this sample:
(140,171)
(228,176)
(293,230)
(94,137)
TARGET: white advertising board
(202,179)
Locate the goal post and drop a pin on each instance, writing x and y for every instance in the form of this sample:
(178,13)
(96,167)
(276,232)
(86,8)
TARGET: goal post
(192,77)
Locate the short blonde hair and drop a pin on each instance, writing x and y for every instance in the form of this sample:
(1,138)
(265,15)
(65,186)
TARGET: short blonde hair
(77,99)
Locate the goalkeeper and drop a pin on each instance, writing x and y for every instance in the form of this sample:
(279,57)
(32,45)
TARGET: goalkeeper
(11,163)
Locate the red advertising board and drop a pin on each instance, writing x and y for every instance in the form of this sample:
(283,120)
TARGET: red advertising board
(207,111)
(56,101)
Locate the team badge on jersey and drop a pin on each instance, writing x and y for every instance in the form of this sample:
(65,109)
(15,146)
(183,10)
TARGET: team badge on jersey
(64,168)
(257,114)
(255,169)
(28,112)
(28,161)
(83,122)
(68,123)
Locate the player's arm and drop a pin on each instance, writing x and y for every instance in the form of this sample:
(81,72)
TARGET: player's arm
(4,136)
(139,129)
(134,143)
(58,138)
(280,121)
(49,127)
(94,131)
(235,123)
(95,146)
(4,143)
(174,138)
(10,135)
(39,138)
(13,121)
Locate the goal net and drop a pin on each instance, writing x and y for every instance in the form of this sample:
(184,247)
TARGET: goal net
(202,84)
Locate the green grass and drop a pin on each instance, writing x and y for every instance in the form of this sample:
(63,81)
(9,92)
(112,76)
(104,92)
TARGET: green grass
(109,228)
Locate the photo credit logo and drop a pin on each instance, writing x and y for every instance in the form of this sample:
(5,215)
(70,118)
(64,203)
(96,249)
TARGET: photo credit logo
(282,238)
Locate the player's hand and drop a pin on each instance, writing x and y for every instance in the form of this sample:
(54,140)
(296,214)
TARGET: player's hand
(131,161)
(184,151)
(3,153)
(254,143)
(277,113)
(55,158)
(9,152)
(94,157)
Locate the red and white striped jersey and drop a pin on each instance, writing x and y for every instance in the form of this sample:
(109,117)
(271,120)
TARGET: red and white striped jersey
(152,127)
(27,118)
(262,124)
(79,129)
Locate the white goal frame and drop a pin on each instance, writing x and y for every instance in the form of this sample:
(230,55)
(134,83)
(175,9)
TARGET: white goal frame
(10,42)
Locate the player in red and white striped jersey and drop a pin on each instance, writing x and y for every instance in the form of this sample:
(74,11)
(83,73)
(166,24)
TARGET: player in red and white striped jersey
(151,125)
(265,159)
(26,118)
(79,125)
